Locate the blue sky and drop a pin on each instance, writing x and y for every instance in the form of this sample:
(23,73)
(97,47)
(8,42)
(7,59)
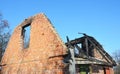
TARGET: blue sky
(97,18)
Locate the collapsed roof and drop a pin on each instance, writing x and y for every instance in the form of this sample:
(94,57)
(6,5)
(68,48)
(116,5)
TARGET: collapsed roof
(86,47)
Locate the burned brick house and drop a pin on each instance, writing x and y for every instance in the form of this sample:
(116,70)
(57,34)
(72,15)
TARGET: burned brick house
(45,53)
(90,57)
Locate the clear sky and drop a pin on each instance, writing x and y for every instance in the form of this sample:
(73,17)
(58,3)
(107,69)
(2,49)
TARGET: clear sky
(97,18)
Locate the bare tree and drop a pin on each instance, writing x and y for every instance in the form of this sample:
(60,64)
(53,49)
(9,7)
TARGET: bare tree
(116,56)
(4,35)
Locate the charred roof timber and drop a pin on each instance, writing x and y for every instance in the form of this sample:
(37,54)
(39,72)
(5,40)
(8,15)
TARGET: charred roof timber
(88,47)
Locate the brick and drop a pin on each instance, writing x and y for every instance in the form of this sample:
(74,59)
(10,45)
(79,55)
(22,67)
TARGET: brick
(44,54)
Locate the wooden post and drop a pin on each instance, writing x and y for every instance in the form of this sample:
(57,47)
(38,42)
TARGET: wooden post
(72,69)
(86,46)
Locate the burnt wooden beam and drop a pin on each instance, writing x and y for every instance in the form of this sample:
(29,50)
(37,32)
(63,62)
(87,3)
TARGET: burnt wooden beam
(86,46)
(91,60)
(75,41)
(102,51)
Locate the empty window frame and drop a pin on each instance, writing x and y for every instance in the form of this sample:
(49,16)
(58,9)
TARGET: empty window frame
(26,35)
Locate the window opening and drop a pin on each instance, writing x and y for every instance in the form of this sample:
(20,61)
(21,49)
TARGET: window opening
(26,36)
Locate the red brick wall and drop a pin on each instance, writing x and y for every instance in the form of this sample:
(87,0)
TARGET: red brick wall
(45,52)
(100,57)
